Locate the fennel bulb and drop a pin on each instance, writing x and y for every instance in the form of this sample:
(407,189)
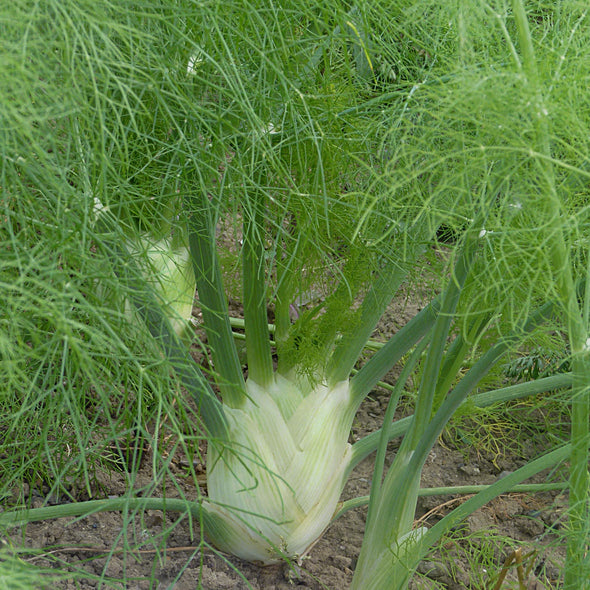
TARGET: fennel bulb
(166,266)
(276,489)
(169,271)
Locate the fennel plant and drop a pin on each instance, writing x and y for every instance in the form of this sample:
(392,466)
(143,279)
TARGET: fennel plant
(533,242)
(334,141)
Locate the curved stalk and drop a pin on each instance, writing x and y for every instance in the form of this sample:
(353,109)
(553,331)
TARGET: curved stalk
(382,448)
(382,575)
(15,518)
(367,445)
(391,525)
(440,334)
(502,486)
(157,323)
(394,504)
(392,351)
(530,488)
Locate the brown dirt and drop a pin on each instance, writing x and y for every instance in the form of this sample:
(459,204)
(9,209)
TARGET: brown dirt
(471,558)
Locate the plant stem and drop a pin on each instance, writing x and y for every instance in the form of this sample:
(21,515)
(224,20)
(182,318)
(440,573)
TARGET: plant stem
(398,345)
(214,304)
(384,439)
(579,534)
(440,334)
(530,488)
(492,491)
(394,505)
(282,302)
(21,517)
(367,445)
(459,394)
(255,317)
(392,570)
(455,357)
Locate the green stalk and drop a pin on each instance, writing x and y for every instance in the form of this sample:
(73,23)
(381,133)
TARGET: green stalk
(392,522)
(282,301)
(455,358)
(239,324)
(255,318)
(579,511)
(159,326)
(378,470)
(353,341)
(501,486)
(367,445)
(434,358)
(459,394)
(21,517)
(531,488)
(398,345)
(383,575)
(214,303)
(14,518)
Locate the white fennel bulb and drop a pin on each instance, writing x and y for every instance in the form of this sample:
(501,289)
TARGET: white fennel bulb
(276,489)
(169,271)
(167,267)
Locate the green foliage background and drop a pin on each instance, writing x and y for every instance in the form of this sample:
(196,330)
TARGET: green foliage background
(365,126)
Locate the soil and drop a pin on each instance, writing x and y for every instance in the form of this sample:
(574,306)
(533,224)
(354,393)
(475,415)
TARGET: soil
(472,557)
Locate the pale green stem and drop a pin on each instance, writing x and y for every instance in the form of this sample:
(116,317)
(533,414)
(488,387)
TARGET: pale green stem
(501,486)
(21,517)
(579,539)
(159,326)
(383,575)
(238,324)
(367,445)
(455,398)
(394,507)
(349,349)
(214,303)
(531,488)
(434,358)
(84,509)
(384,439)
(579,521)
(455,358)
(282,300)
(391,352)
(254,280)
